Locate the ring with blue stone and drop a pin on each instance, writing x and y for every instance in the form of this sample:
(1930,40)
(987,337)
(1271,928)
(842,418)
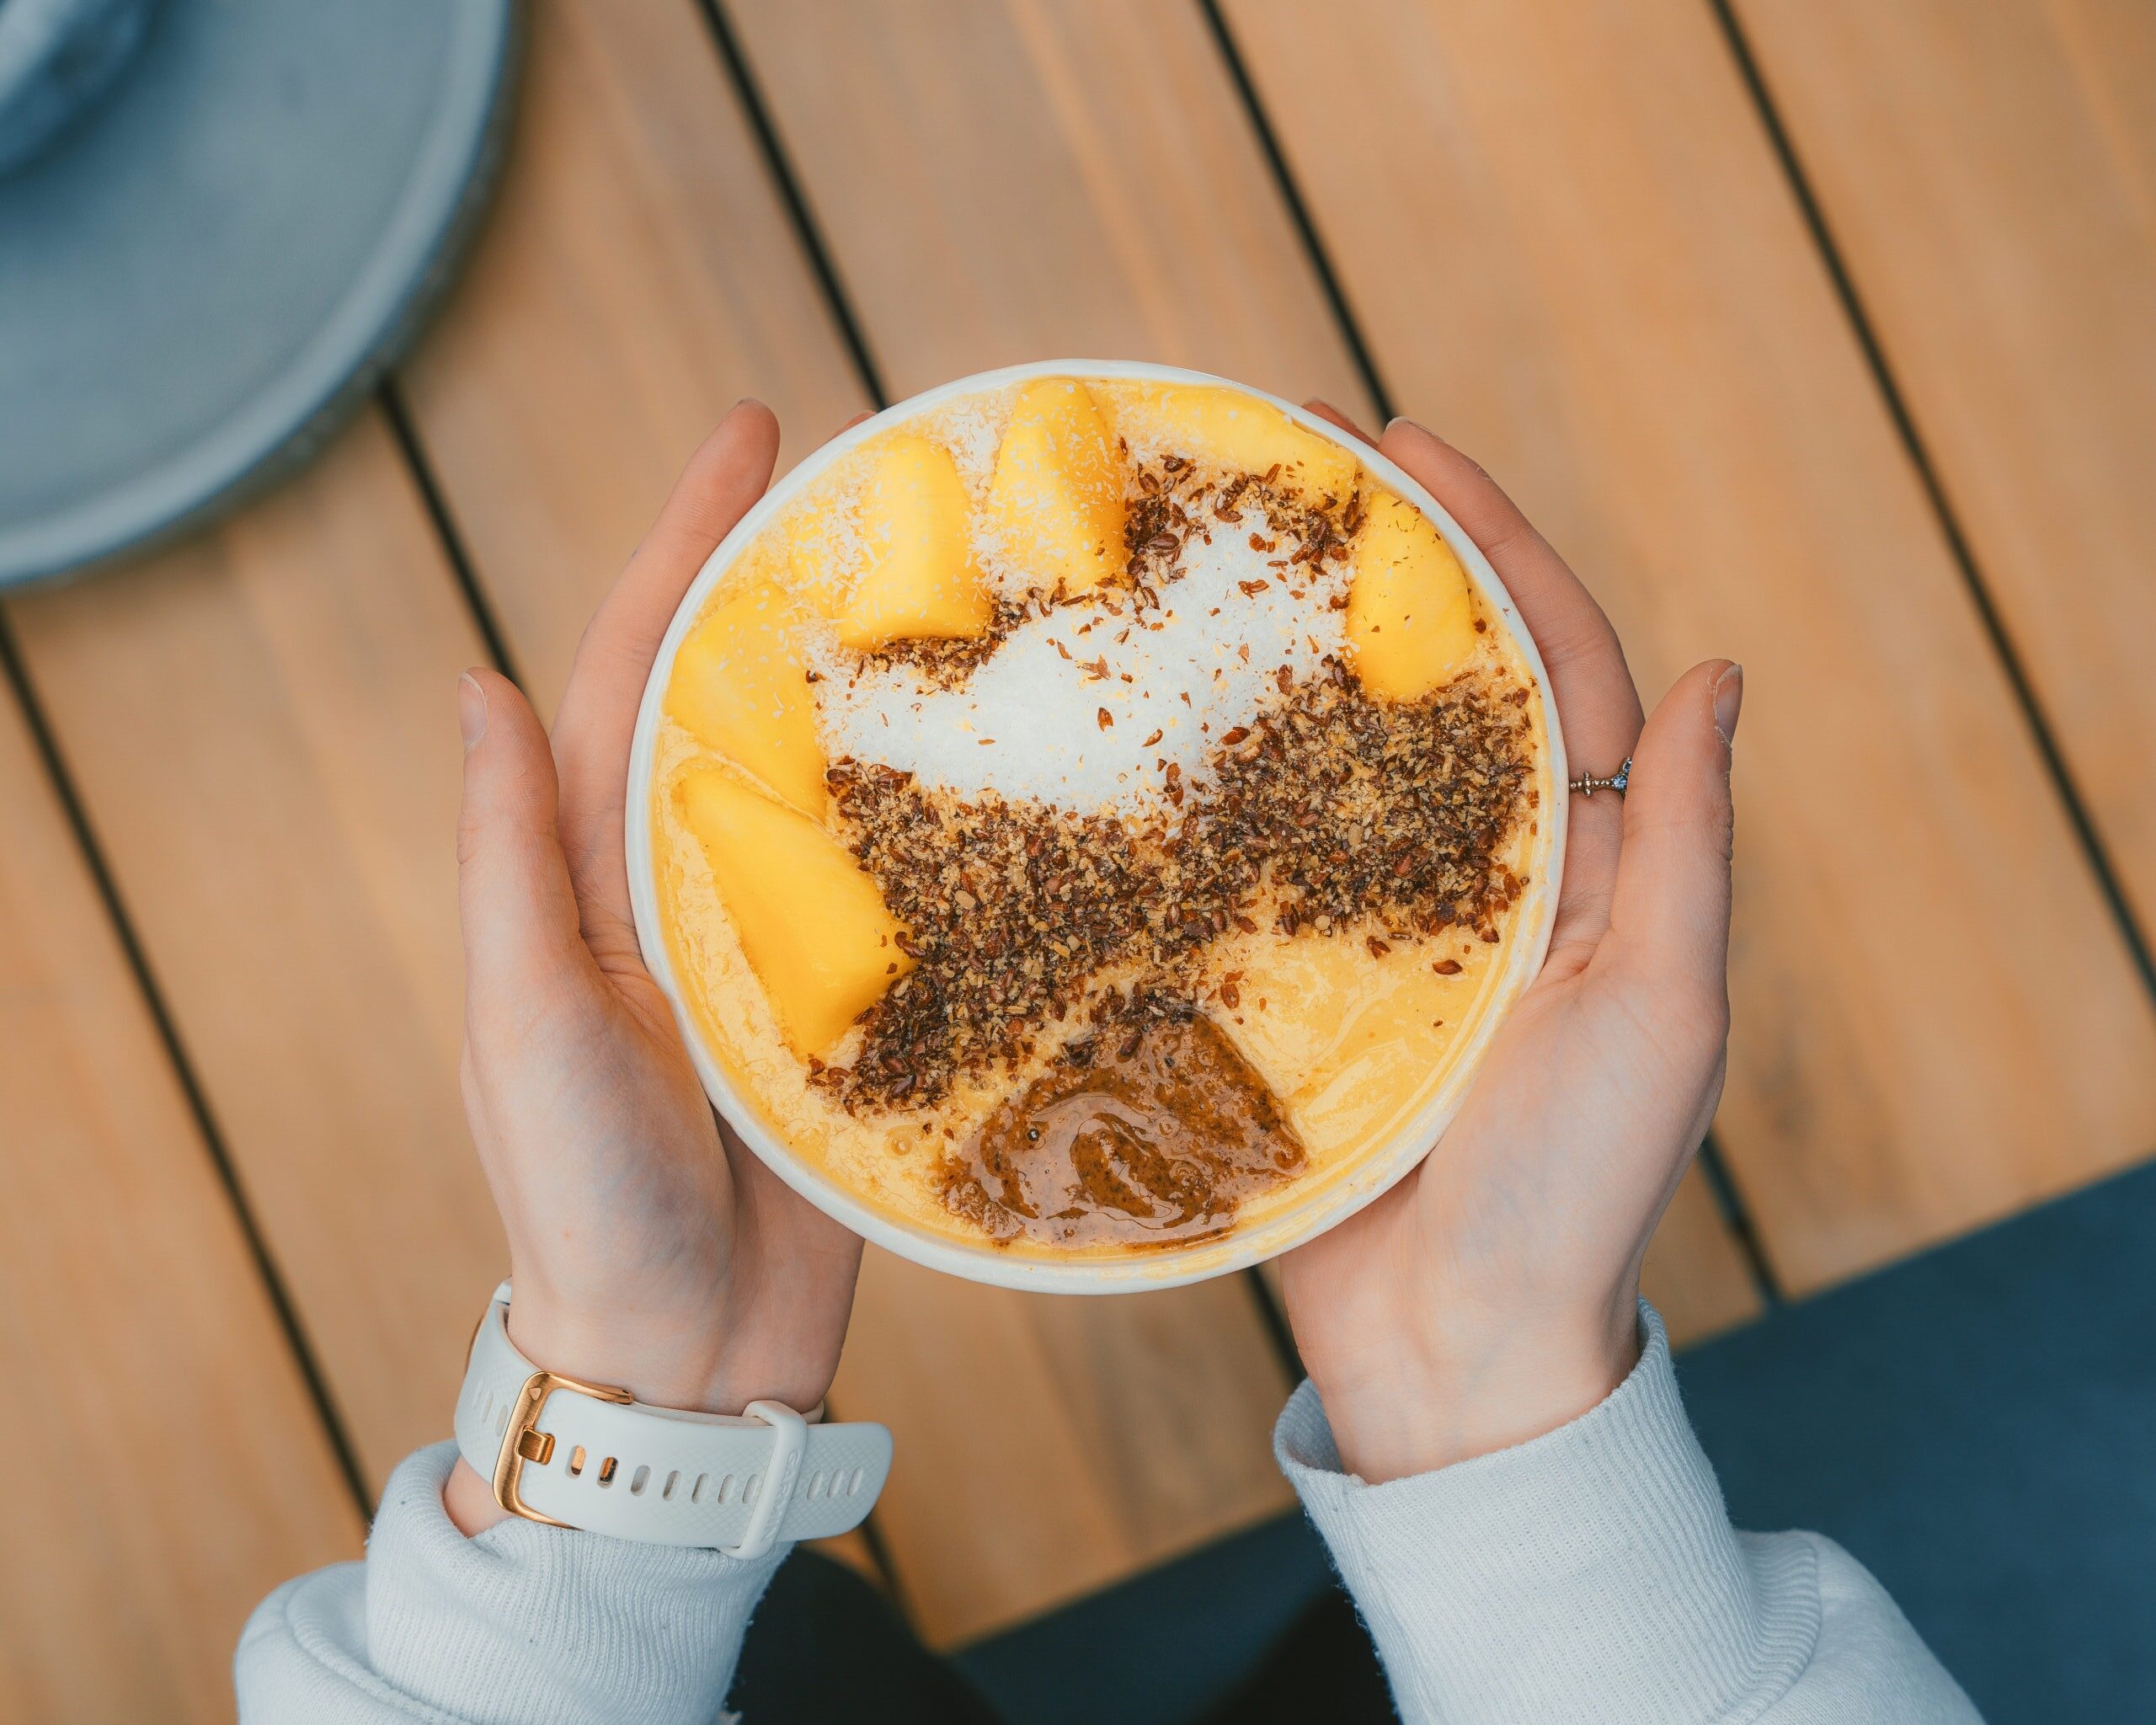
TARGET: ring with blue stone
(1588,784)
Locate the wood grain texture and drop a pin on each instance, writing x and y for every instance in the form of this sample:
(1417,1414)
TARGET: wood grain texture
(1572,250)
(1090,1438)
(637,278)
(260,724)
(165,1466)
(1988,175)
(1031,177)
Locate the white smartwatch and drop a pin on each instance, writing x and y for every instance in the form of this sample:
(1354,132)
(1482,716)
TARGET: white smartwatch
(587,1455)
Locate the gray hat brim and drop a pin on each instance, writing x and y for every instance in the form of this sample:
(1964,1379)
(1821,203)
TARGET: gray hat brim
(208,270)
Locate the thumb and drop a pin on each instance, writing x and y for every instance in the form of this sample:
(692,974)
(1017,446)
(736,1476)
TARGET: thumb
(514,899)
(1669,914)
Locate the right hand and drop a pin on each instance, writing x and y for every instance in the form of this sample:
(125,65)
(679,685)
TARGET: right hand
(1492,1295)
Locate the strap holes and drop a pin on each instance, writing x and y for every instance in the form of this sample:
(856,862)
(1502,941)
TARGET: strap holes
(638,1481)
(606,1470)
(815,1484)
(853,1486)
(666,1491)
(576,1462)
(696,1491)
(725,1487)
(501,1422)
(748,1487)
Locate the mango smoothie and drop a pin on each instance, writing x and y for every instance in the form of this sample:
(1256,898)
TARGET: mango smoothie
(1092,815)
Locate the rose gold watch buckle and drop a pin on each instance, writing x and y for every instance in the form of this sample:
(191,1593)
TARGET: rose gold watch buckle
(521,1442)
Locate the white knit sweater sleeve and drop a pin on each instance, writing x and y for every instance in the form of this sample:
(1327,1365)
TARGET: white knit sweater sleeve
(522,1624)
(1593,1573)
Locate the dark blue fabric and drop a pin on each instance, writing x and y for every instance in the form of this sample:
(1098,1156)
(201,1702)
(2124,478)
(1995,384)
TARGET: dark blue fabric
(1978,1427)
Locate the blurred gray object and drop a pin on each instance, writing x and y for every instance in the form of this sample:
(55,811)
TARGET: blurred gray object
(56,57)
(206,267)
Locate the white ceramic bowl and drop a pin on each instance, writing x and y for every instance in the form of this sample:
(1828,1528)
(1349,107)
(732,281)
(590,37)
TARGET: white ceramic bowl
(1330,1200)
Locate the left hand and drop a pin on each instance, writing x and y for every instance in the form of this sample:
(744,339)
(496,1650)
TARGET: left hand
(650,1248)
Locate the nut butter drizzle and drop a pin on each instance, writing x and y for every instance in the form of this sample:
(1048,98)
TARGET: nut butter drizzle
(1153,1127)
(1327,811)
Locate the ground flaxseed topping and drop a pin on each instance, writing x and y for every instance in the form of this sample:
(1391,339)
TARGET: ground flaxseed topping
(1174,501)
(1330,812)
(947,663)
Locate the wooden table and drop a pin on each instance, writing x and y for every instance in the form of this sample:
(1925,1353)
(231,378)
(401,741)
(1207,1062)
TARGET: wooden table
(1817,331)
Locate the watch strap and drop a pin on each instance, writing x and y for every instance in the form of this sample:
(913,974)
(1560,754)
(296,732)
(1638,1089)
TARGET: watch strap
(587,1455)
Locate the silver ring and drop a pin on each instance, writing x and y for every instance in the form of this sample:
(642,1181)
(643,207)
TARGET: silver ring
(1588,784)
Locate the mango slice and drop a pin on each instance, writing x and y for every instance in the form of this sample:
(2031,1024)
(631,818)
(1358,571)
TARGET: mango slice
(1410,617)
(919,581)
(811,921)
(1238,431)
(1056,501)
(741,687)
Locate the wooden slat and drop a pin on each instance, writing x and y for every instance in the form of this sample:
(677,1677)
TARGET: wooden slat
(1571,247)
(1087,1440)
(261,726)
(637,278)
(1090,184)
(164,1466)
(1989,175)
(1034,178)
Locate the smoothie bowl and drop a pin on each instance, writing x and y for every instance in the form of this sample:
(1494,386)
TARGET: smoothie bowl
(1089,820)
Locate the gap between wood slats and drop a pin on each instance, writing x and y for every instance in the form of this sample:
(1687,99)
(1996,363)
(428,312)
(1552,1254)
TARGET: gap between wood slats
(2077,811)
(453,548)
(1728,1199)
(16,674)
(806,231)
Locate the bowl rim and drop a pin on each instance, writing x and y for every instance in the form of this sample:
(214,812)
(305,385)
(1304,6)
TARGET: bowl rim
(1167,1266)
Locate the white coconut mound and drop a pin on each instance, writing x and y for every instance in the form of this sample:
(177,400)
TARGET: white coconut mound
(1085,709)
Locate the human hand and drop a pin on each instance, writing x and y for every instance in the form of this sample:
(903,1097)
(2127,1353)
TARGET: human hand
(1491,1296)
(650,1248)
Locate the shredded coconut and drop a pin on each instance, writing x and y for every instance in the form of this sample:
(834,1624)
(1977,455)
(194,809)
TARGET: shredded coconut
(1087,708)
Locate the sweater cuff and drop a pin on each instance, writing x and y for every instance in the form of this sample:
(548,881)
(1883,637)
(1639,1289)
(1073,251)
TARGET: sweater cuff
(1596,1561)
(521,1623)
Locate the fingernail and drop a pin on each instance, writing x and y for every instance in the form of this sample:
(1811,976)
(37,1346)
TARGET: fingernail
(471,710)
(1399,420)
(1729,701)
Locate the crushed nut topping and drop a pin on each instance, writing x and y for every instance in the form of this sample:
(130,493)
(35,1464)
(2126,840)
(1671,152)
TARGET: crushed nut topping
(947,664)
(1332,811)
